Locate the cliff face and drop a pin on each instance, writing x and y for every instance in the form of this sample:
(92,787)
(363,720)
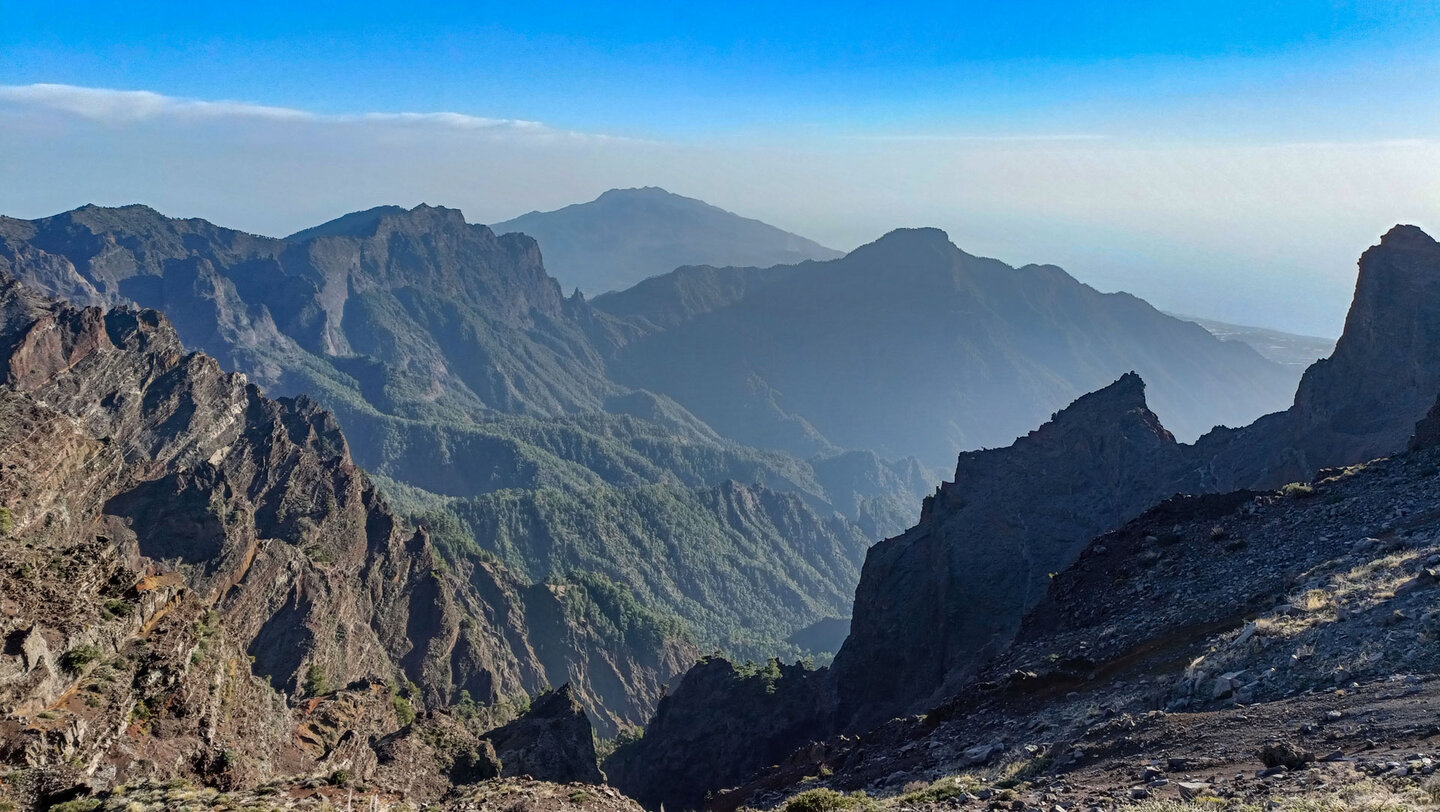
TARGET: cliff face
(182,559)
(397,292)
(932,601)
(1364,400)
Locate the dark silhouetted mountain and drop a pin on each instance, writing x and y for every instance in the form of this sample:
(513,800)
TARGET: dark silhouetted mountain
(627,235)
(936,602)
(933,601)
(969,350)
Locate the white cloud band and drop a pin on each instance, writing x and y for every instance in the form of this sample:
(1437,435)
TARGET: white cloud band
(126,106)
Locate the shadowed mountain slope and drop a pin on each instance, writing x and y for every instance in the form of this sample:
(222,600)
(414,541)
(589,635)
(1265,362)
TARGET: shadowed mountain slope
(971,351)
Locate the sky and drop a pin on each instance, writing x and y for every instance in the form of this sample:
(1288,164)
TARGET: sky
(1224,159)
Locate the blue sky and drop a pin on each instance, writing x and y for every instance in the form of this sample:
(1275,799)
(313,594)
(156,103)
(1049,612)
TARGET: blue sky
(1212,157)
(686,68)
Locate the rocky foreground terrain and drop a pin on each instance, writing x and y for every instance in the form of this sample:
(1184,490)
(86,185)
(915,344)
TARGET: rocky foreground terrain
(199,585)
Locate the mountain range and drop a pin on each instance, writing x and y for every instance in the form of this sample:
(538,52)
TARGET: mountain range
(202,582)
(824,354)
(459,370)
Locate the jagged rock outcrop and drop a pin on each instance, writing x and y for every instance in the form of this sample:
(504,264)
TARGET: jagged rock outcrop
(550,742)
(718,726)
(932,601)
(182,560)
(429,757)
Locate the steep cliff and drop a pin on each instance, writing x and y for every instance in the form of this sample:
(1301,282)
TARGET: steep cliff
(932,601)
(198,580)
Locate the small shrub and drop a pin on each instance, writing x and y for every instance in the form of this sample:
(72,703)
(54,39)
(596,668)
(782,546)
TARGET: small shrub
(1298,490)
(79,657)
(404,711)
(315,682)
(827,800)
(77,805)
(341,778)
(1020,772)
(945,789)
(579,796)
(7,522)
(116,608)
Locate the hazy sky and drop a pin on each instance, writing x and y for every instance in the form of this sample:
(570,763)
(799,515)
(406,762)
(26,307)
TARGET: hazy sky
(1228,159)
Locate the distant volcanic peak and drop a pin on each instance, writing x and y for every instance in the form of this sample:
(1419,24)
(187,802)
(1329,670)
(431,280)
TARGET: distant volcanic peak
(647,192)
(650,198)
(927,235)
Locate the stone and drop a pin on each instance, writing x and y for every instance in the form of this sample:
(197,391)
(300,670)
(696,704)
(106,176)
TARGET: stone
(979,754)
(1190,790)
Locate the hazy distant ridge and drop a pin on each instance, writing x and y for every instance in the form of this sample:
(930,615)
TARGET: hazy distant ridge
(627,235)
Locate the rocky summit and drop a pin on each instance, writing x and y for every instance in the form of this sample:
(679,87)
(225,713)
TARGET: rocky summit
(199,584)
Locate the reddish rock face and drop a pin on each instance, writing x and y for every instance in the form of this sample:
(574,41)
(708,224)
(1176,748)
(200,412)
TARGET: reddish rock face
(183,559)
